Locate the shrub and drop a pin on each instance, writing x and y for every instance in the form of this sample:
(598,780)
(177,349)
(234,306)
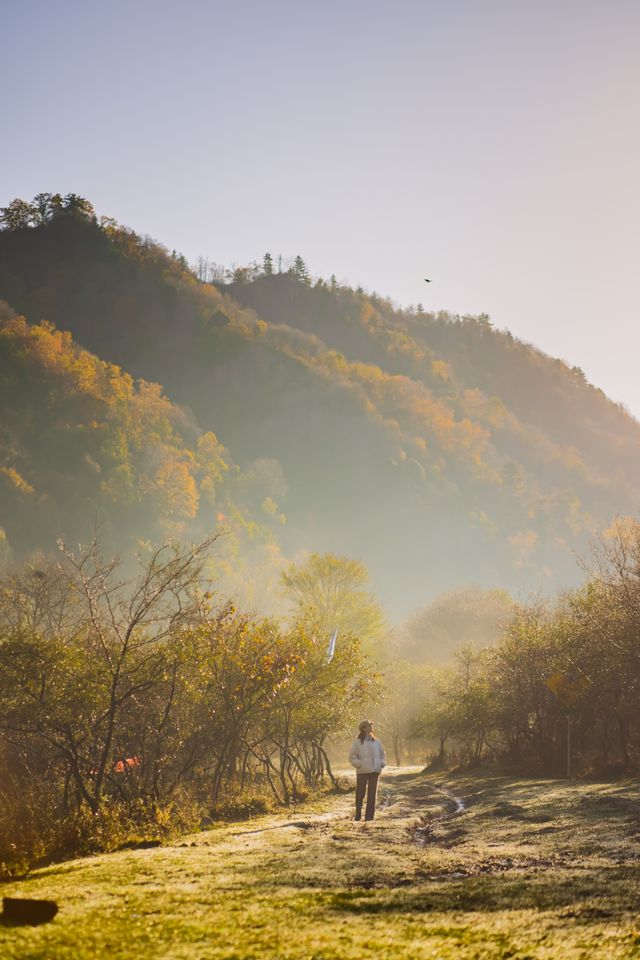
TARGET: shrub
(241,806)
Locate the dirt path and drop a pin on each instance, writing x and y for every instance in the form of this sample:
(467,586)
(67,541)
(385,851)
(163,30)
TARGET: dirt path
(391,790)
(406,803)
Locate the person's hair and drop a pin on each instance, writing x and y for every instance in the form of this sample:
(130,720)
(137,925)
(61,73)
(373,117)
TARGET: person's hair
(362,735)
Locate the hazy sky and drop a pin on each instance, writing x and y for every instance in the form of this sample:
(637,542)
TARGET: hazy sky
(491,146)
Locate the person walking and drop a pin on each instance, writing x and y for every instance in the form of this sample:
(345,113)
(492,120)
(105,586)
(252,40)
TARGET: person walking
(368,757)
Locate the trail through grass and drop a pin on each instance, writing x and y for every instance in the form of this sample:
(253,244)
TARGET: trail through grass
(528,869)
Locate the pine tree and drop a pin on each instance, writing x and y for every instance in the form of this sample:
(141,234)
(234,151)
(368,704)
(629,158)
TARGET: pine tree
(79,207)
(300,269)
(267,265)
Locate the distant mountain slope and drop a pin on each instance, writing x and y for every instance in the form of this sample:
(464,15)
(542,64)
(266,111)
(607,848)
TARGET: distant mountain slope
(84,448)
(486,374)
(435,449)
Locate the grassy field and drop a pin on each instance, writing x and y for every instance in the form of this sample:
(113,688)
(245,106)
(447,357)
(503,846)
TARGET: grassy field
(528,869)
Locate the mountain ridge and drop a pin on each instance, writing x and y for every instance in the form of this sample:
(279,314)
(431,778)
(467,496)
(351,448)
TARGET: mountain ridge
(389,427)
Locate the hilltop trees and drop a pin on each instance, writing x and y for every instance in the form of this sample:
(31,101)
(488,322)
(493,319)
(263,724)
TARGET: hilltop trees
(299,270)
(17,215)
(45,207)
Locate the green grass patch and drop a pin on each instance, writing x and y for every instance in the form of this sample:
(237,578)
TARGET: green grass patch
(531,869)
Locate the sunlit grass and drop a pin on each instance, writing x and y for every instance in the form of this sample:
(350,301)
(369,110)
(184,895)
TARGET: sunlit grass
(538,869)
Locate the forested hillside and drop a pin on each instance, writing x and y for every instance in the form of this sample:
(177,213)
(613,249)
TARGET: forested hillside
(87,451)
(434,448)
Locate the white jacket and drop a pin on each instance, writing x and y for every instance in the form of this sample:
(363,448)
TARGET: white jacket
(367,757)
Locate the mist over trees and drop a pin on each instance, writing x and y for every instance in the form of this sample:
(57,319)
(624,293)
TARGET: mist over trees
(467,617)
(434,448)
(85,445)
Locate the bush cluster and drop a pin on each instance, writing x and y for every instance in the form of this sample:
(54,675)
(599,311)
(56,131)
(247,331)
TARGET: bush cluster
(559,692)
(130,708)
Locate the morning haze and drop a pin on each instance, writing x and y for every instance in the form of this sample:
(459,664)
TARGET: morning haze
(258,480)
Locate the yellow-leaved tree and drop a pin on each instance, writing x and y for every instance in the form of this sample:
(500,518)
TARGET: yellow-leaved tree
(334,593)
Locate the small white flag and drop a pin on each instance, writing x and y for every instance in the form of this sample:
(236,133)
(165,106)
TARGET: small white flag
(332,646)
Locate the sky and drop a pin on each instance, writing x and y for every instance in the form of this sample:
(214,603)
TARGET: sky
(492,146)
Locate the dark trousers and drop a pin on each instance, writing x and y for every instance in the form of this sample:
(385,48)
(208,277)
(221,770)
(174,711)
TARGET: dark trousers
(366,783)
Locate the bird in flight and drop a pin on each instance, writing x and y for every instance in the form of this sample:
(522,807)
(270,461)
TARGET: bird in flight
(427,281)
